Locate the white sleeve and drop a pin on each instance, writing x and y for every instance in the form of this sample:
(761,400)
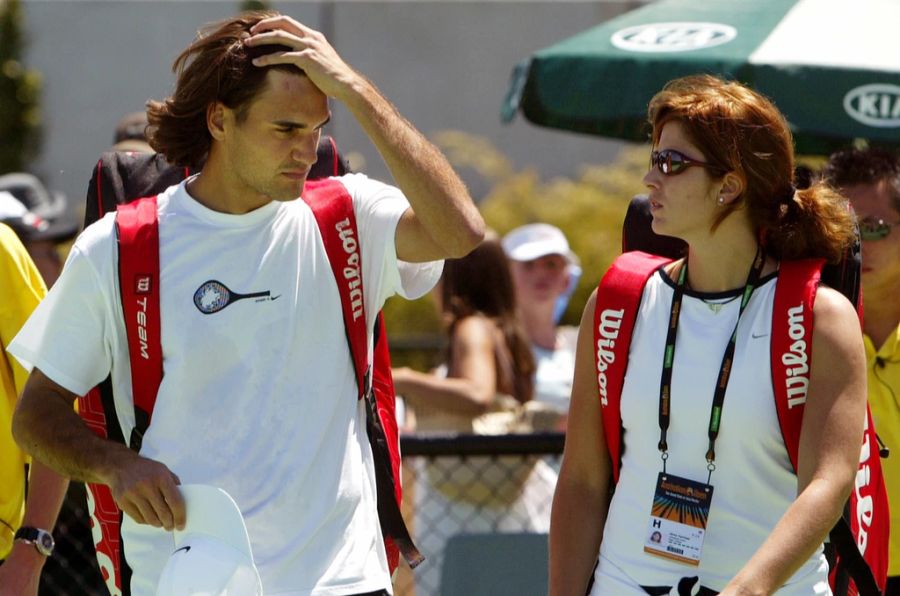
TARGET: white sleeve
(378,208)
(67,336)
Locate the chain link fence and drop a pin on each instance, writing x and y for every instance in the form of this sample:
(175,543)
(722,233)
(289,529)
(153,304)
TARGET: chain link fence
(465,484)
(72,569)
(473,484)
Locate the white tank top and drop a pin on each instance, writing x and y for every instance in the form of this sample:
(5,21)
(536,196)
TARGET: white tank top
(754,482)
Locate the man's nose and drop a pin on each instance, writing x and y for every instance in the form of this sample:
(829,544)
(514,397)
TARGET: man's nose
(304,150)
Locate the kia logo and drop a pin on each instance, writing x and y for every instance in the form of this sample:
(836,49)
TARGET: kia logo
(875,105)
(672,37)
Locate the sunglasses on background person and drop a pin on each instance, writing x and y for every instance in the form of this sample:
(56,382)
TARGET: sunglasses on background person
(671,163)
(874,228)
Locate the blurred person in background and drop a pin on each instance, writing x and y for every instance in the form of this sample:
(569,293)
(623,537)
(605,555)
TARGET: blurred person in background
(485,386)
(26,524)
(40,218)
(44,224)
(488,353)
(130,134)
(870,179)
(546,272)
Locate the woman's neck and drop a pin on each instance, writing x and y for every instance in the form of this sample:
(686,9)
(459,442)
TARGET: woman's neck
(537,320)
(722,261)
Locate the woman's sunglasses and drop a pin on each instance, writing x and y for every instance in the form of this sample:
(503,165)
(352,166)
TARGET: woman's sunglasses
(874,228)
(672,163)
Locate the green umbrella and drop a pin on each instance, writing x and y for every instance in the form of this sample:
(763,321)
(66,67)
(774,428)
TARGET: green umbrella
(831,66)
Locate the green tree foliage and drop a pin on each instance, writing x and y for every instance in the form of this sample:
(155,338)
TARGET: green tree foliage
(19,95)
(589,209)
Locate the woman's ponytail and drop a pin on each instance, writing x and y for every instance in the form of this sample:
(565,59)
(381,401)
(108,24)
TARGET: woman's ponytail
(814,222)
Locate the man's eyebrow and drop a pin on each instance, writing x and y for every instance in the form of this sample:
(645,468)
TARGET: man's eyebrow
(299,125)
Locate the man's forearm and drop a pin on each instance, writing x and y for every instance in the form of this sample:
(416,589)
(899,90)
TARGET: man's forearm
(437,195)
(47,428)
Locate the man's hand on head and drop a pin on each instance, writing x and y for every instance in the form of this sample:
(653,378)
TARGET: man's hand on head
(312,53)
(443,221)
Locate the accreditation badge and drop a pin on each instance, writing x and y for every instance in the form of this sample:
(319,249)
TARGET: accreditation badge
(678,519)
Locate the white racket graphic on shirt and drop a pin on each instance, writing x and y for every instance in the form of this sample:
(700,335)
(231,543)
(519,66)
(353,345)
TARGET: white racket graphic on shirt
(213,296)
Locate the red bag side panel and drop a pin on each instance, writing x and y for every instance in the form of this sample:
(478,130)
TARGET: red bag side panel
(105,517)
(791,354)
(618,300)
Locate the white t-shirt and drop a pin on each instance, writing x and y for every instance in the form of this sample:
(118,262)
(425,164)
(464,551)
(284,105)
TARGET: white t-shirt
(259,398)
(555,369)
(754,482)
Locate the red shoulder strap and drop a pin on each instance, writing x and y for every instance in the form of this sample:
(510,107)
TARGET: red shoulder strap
(861,536)
(333,209)
(383,385)
(792,324)
(618,299)
(137,230)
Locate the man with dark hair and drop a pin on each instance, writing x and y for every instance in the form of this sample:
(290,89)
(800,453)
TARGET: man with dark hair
(258,396)
(870,178)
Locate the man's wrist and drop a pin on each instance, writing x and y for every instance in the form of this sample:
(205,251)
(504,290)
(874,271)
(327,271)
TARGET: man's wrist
(361,96)
(116,458)
(39,539)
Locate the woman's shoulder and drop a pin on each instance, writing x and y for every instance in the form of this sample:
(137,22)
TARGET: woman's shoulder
(831,303)
(837,334)
(475,327)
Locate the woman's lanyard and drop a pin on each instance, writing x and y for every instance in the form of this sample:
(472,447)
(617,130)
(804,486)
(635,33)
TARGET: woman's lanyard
(665,383)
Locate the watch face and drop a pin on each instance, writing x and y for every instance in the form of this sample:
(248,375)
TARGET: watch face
(45,543)
(42,540)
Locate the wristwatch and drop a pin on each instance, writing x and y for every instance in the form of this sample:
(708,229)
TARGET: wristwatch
(42,540)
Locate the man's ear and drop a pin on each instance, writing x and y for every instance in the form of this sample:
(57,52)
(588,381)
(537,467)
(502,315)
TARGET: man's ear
(733,186)
(216,114)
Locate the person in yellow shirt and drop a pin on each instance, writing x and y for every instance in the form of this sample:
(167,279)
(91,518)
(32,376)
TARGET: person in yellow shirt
(870,179)
(24,526)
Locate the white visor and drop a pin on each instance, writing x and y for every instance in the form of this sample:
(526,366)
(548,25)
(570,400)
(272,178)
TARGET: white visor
(212,555)
(533,241)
